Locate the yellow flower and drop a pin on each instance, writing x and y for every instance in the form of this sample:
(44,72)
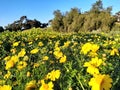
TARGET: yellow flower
(57,43)
(40,44)
(63,59)
(92,65)
(66,44)
(6,76)
(14,58)
(89,47)
(9,64)
(70,88)
(114,51)
(13,50)
(34,51)
(30,42)
(101,82)
(31,85)
(57,49)
(58,54)
(36,65)
(5,87)
(50,52)
(94,47)
(86,48)
(25,58)
(45,86)
(54,74)
(22,53)
(16,43)
(28,74)
(93,54)
(45,58)
(21,65)
(7,58)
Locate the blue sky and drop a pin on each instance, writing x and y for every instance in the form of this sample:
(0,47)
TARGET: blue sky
(42,10)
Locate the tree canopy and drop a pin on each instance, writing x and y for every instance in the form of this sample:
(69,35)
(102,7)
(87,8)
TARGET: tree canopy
(97,18)
(25,23)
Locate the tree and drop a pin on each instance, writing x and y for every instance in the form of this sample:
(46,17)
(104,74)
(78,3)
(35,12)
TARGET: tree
(97,18)
(1,29)
(36,23)
(43,25)
(23,18)
(97,6)
(70,19)
(57,22)
(109,9)
(25,23)
(107,21)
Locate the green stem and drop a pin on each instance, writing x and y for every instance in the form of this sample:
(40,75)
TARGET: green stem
(80,83)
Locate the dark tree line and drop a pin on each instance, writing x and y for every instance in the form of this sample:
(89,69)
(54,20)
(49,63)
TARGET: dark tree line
(23,24)
(97,18)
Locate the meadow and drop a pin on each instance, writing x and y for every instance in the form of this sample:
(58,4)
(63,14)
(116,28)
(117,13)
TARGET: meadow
(40,59)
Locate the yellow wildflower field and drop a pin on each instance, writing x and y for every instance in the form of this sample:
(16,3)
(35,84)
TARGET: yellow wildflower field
(44,60)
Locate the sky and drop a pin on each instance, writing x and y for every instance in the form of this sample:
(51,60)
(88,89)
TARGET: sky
(42,10)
